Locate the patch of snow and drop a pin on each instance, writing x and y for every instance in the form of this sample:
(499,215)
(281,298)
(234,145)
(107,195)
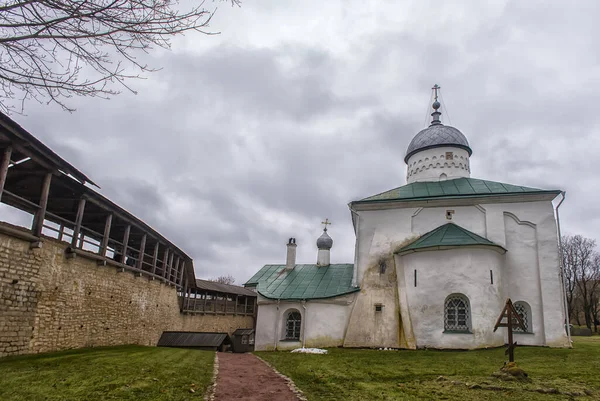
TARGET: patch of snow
(310,351)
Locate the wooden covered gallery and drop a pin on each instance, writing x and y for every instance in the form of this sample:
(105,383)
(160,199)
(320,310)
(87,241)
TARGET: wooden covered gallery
(208,297)
(65,206)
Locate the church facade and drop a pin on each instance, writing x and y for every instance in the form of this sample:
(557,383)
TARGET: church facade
(435,261)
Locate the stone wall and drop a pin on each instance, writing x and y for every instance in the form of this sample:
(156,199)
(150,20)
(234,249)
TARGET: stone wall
(49,302)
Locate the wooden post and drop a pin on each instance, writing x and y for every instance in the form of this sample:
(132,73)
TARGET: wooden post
(511,348)
(105,237)
(204,303)
(174,272)
(184,289)
(170,265)
(165,263)
(81,238)
(38,220)
(61,231)
(245,305)
(125,242)
(140,262)
(4,168)
(188,298)
(181,271)
(226,299)
(155,257)
(78,220)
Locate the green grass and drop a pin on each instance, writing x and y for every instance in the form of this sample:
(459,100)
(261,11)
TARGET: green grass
(111,373)
(346,374)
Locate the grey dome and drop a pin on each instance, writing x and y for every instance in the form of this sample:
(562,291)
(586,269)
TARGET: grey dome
(437,135)
(324,241)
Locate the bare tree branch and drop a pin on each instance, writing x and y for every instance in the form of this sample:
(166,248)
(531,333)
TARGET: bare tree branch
(57,49)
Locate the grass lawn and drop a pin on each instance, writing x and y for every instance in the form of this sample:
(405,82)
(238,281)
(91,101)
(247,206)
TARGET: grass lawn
(111,373)
(346,374)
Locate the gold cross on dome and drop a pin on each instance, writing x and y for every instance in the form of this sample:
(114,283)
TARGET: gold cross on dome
(325,223)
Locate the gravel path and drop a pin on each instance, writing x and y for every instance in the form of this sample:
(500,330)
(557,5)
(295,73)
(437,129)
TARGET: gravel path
(245,377)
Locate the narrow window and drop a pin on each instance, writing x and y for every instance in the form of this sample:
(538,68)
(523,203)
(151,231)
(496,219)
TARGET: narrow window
(292,326)
(449,214)
(449,156)
(378,307)
(491,277)
(415,277)
(524,312)
(457,314)
(244,339)
(382,267)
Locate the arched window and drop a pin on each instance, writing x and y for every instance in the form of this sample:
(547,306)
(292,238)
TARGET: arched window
(457,314)
(524,311)
(293,322)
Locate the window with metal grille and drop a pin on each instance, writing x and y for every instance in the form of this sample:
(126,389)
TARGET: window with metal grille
(457,314)
(292,326)
(524,312)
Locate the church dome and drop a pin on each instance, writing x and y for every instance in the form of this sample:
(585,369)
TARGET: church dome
(437,135)
(324,241)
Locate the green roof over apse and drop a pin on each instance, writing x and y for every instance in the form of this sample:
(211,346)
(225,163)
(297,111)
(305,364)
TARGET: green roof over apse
(303,281)
(457,188)
(448,236)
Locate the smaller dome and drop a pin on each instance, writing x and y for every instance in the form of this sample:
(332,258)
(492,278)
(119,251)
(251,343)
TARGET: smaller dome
(324,241)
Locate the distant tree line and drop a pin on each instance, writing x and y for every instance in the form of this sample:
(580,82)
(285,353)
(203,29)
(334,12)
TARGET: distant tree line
(581,266)
(229,279)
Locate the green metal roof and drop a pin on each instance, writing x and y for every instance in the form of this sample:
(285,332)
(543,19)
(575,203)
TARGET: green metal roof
(459,187)
(448,236)
(303,281)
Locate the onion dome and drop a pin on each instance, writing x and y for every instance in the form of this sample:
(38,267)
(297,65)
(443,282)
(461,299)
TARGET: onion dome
(324,241)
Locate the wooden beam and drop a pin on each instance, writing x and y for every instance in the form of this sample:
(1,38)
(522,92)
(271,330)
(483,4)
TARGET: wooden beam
(236,304)
(106,235)
(204,304)
(4,167)
(195,299)
(38,220)
(169,266)
(155,257)
(140,261)
(61,231)
(78,220)
(175,271)
(125,243)
(181,269)
(165,263)
(183,295)
(245,305)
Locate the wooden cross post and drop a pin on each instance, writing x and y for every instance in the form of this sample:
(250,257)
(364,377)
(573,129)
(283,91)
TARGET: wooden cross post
(513,320)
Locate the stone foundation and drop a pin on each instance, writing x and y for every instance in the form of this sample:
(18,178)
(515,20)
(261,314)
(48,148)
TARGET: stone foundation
(49,302)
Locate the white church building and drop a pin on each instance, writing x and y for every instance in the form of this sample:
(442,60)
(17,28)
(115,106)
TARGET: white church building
(435,261)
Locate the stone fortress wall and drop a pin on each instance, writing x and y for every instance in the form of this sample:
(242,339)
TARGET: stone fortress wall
(49,302)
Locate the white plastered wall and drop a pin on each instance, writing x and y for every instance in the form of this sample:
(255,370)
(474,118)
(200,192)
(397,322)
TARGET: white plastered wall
(439,274)
(526,229)
(324,322)
(432,165)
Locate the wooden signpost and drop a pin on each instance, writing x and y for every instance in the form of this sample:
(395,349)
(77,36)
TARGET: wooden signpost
(513,320)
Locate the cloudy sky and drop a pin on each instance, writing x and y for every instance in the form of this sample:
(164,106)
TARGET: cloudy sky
(255,135)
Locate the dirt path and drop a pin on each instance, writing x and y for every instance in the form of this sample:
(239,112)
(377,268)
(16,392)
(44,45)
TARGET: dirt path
(245,377)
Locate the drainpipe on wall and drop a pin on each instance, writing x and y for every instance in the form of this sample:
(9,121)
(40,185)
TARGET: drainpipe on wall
(305,322)
(276,327)
(562,269)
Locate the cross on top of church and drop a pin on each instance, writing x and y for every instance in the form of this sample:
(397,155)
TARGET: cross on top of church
(325,224)
(435,88)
